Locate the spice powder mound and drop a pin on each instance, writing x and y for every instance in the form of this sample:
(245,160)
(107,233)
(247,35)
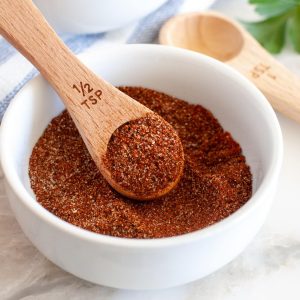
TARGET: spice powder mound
(145,157)
(216,180)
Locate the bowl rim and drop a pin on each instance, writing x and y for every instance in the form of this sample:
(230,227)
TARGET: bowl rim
(264,189)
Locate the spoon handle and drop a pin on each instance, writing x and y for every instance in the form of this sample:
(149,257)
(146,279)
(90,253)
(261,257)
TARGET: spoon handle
(94,104)
(278,84)
(22,24)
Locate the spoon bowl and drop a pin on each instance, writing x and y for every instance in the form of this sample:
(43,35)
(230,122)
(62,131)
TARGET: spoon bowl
(203,34)
(224,39)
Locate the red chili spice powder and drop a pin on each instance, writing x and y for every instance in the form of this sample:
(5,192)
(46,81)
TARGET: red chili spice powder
(145,157)
(216,180)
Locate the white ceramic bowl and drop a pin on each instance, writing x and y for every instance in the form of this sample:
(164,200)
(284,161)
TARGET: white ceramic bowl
(157,263)
(91,16)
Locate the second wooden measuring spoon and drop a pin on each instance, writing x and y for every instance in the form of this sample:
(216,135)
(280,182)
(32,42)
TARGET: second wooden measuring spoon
(224,39)
(97,108)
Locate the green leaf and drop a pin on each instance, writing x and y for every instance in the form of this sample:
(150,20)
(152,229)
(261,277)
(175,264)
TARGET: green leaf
(294,29)
(295,2)
(270,33)
(282,16)
(274,8)
(275,42)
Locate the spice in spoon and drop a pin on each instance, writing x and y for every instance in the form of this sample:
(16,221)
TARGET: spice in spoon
(145,157)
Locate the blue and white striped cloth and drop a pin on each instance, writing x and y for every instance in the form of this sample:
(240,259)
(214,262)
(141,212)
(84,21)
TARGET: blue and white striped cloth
(16,71)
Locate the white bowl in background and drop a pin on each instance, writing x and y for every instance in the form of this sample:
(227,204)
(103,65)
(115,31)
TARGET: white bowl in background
(156,263)
(91,16)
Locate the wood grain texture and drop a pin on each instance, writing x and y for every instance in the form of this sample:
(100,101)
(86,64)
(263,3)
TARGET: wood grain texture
(224,39)
(96,107)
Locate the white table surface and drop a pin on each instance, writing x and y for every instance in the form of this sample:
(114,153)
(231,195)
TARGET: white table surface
(268,269)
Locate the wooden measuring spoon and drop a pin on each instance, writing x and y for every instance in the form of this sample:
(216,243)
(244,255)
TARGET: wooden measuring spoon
(96,107)
(224,39)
